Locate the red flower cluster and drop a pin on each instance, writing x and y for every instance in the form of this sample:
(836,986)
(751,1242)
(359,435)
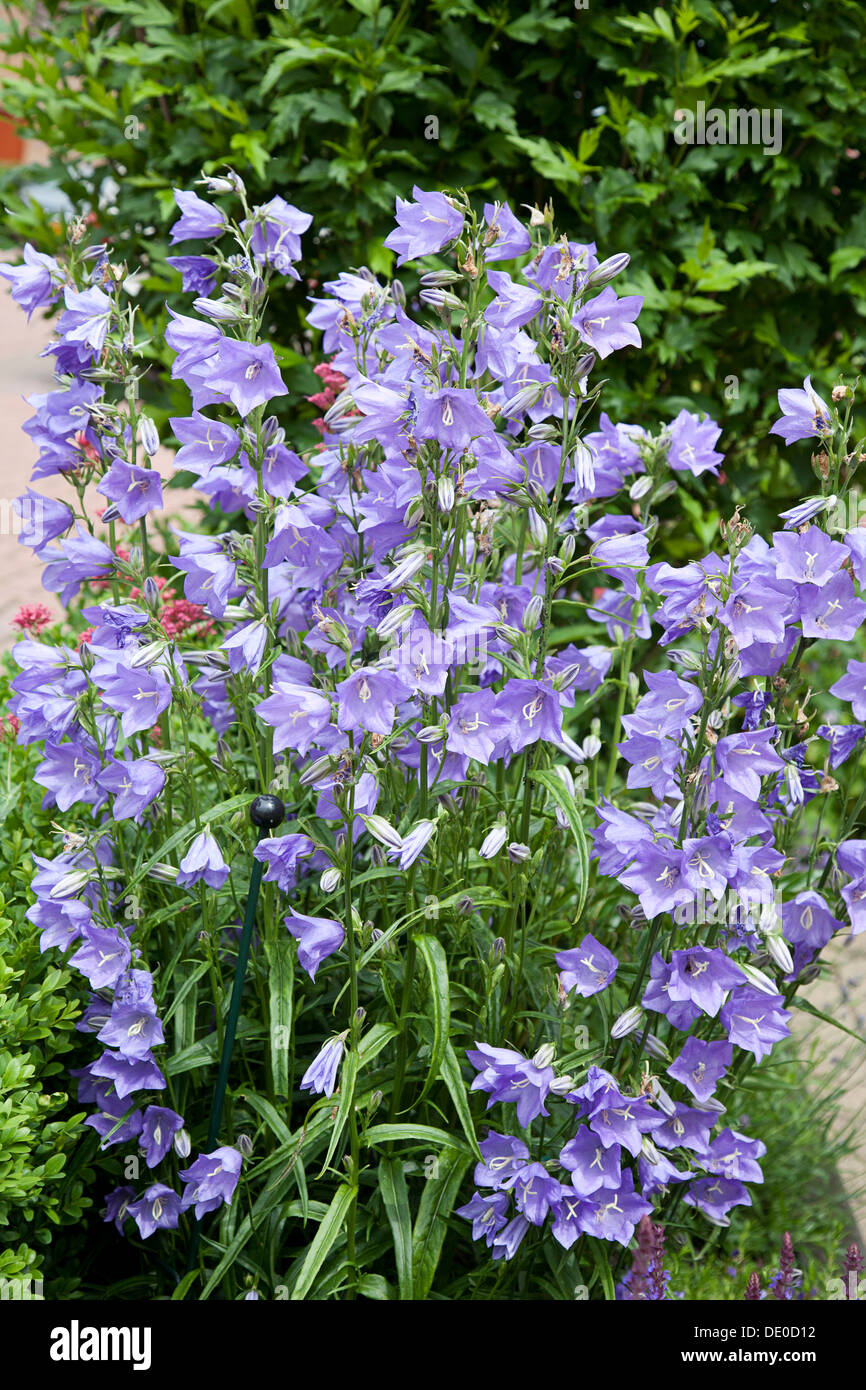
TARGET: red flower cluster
(32,618)
(332,383)
(182,616)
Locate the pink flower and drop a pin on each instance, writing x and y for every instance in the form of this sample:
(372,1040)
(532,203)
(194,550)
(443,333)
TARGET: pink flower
(32,618)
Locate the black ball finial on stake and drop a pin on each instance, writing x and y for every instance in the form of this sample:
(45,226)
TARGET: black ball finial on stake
(267,812)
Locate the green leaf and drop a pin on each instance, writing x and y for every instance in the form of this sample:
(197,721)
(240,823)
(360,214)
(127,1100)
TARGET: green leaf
(375,1286)
(431,1223)
(451,1075)
(440,1004)
(566,802)
(602,1264)
(845,259)
(348,1077)
(251,144)
(329,1230)
(422,1134)
(186,1283)
(809,1008)
(663,21)
(372,1042)
(272,1118)
(392,1185)
(281,969)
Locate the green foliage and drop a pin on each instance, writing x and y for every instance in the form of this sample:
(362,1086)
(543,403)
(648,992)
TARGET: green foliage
(39,1129)
(751,263)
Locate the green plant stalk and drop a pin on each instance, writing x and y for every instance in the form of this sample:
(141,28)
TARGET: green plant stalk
(354,1146)
(231,1027)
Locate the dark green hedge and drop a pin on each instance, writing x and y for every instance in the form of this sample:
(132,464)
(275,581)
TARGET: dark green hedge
(753,265)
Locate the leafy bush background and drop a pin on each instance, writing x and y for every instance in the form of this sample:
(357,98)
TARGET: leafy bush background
(753,267)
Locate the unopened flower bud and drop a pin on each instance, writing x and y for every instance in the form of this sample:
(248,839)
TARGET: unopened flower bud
(182,1143)
(445,495)
(584,465)
(219,310)
(537,527)
(662,1099)
(330,880)
(524,399)
(649,1150)
(497,950)
(654,1047)
(711,1103)
(627,1022)
(163,873)
(757,978)
(393,621)
(690,660)
(70,884)
(778,948)
(532,613)
(493,841)
(518,854)
(608,270)
(215,183)
(319,768)
(440,299)
(438,279)
(507,633)
(383,831)
(562,1085)
(244,1145)
(542,433)
(564,679)
(544,1056)
(147,654)
(640,487)
(148,435)
(151,594)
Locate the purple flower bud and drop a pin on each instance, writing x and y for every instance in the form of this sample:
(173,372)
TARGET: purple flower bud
(493,841)
(148,435)
(608,270)
(151,594)
(628,1022)
(532,613)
